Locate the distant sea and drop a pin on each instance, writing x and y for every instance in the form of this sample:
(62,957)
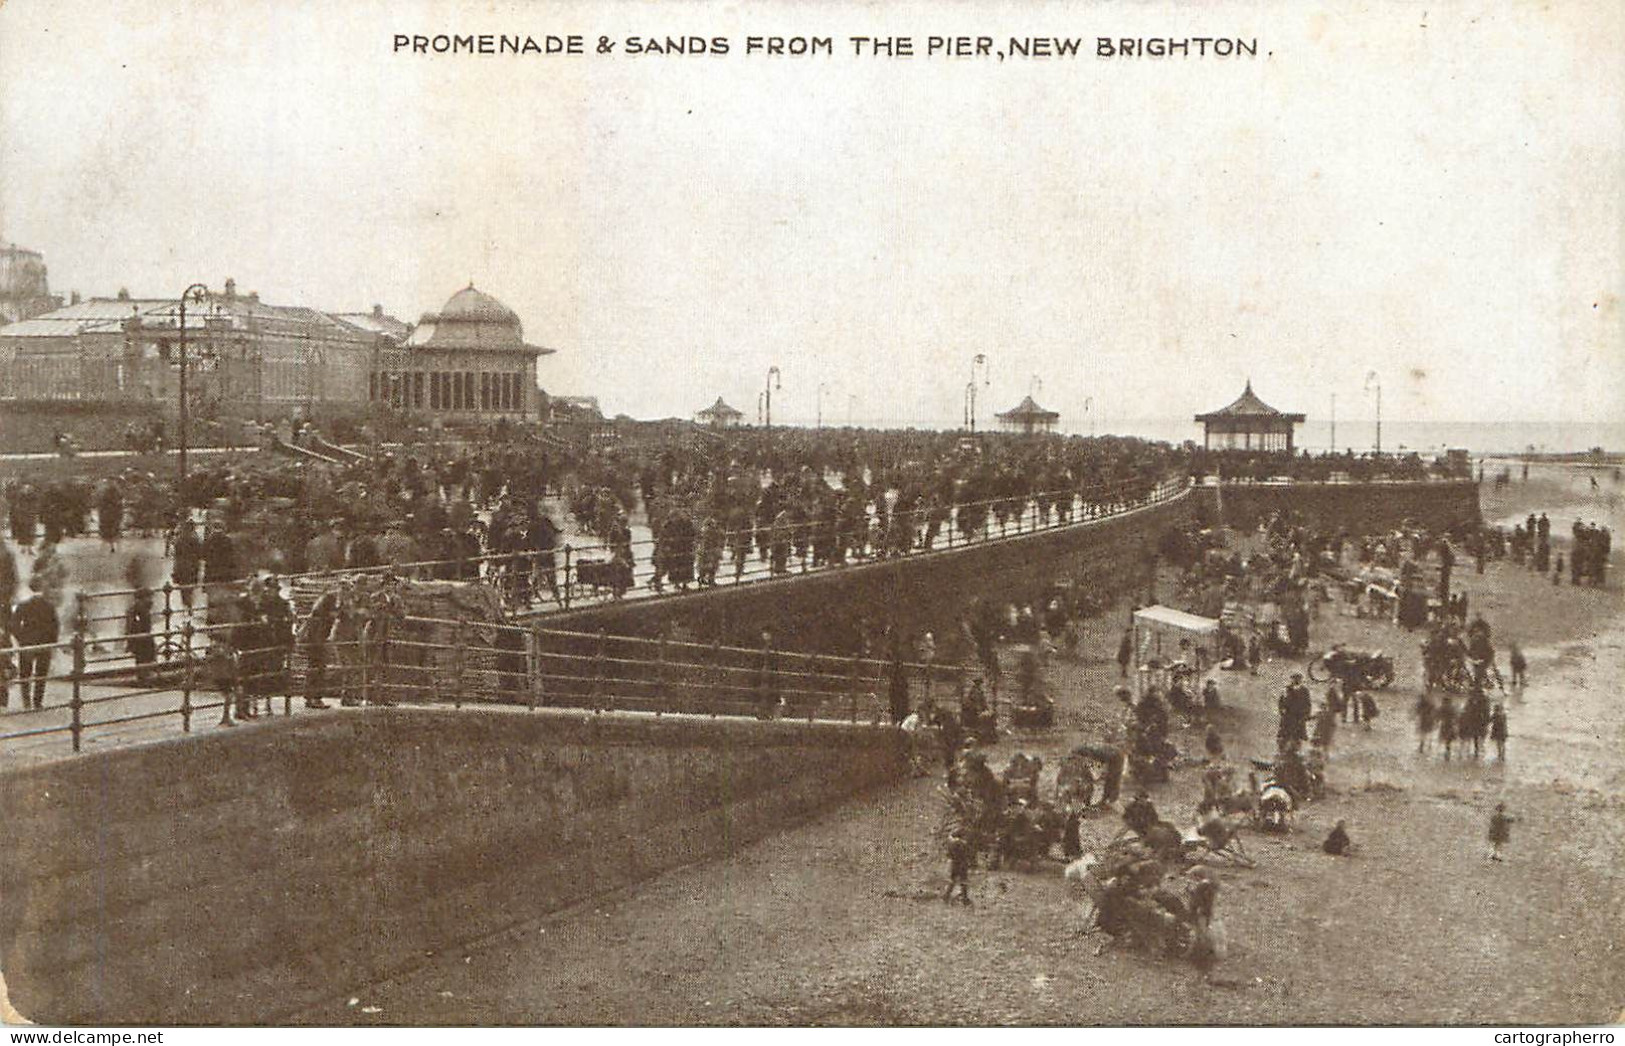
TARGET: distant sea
(1359,435)
(1423,437)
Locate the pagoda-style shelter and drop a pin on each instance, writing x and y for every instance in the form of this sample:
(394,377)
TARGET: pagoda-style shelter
(719,415)
(1028,417)
(1248,424)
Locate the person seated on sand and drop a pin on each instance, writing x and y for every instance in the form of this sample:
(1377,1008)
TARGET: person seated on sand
(1140,814)
(1338,843)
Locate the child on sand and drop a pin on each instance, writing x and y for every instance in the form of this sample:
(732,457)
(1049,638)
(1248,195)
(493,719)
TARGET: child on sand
(1498,732)
(1519,666)
(1500,830)
(959,859)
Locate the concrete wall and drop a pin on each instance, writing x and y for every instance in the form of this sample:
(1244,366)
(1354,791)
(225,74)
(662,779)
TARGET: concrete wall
(824,610)
(1360,507)
(234,878)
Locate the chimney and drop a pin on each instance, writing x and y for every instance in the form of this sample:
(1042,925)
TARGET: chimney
(377,312)
(231,287)
(73,298)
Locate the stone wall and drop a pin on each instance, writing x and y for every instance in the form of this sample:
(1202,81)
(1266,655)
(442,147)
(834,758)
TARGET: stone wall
(1361,507)
(239,877)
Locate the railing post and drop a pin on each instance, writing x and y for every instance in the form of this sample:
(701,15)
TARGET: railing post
(660,674)
(363,655)
(458,661)
(534,637)
(598,673)
(186,678)
(81,614)
(77,701)
(716,660)
(169,623)
(568,551)
(228,692)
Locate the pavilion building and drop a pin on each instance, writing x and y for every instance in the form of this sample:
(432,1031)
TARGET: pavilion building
(468,361)
(1028,417)
(1248,424)
(719,415)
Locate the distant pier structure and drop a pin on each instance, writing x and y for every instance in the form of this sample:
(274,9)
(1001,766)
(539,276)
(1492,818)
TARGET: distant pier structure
(1248,424)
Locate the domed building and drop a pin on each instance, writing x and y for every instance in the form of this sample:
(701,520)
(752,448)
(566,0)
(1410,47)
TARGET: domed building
(469,360)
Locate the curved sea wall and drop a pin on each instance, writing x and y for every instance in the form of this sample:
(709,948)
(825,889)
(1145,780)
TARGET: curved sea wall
(826,610)
(238,877)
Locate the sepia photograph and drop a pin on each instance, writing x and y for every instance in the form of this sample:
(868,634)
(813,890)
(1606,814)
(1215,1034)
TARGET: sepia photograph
(924,515)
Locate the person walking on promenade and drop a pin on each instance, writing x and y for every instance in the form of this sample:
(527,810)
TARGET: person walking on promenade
(1447,725)
(1498,732)
(1500,830)
(188,560)
(959,862)
(1520,667)
(34,624)
(1426,717)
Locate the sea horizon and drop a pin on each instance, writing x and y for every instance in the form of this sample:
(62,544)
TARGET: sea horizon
(1315,435)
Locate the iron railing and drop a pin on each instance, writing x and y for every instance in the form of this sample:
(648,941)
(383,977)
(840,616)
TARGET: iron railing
(232,671)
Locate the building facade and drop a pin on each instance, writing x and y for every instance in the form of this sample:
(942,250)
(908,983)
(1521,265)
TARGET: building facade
(248,358)
(25,290)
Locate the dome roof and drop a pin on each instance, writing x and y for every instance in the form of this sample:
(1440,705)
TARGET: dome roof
(471,304)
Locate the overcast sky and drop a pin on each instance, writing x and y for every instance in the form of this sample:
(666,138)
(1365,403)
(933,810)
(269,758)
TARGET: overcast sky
(1432,195)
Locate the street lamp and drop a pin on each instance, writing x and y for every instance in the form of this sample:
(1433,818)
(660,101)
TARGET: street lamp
(195,292)
(821,388)
(774,381)
(978,360)
(1089,409)
(1371,381)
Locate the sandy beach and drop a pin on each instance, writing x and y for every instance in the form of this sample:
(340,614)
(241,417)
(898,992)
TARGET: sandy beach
(840,921)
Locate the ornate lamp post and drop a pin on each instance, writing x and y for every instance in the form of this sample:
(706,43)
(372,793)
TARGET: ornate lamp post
(196,293)
(774,381)
(1371,382)
(978,360)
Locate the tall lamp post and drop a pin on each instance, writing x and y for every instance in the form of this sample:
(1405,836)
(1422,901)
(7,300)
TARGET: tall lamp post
(195,292)
(1089,409)
(978,360)
(1372,382)
(774,381)
(821,388)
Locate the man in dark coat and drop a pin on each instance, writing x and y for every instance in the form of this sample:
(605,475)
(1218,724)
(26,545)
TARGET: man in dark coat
(188,555)
(1296,708)
(34,623)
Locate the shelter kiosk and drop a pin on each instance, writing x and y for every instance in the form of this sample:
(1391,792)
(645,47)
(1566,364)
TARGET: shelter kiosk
(1169,642)
(719,415)
(1248,424)
(1028,417)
